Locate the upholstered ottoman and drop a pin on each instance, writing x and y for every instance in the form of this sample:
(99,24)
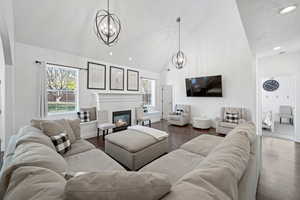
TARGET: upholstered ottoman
(134,149)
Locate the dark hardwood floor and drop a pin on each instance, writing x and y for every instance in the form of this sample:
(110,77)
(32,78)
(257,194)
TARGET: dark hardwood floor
(280,174)
(177,135)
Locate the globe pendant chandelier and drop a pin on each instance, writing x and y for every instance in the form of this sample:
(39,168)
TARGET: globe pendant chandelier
(179,59)
(107,26)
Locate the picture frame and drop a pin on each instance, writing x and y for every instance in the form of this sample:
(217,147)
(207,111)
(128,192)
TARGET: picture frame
(116,78)
(133,80)
(96,76)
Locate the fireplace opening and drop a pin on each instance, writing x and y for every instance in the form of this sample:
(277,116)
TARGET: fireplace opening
(122,119)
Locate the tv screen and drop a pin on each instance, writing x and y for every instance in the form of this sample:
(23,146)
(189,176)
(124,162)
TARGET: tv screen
(209,86)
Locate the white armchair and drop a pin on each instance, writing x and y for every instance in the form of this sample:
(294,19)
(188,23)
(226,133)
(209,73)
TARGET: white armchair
(181,116)
(223,126)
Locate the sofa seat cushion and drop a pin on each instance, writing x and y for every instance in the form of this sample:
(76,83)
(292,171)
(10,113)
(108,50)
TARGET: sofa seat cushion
(117,185)
(175,164)
(92,161)
(228,125)
(131,140)
(78,147)
(35,183)
(202,145)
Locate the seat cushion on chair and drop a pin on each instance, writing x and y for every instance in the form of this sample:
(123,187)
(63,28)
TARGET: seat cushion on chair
(106,126)
(175,117)
(228,125)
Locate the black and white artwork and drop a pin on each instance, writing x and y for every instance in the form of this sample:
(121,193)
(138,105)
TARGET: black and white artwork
(132,80)
(116,78)
(96,76)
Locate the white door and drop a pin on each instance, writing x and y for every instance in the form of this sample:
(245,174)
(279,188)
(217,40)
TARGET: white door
(167,100)
(2,92)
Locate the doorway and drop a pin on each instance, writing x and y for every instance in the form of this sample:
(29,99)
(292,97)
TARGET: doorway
(279,107)
(167,100)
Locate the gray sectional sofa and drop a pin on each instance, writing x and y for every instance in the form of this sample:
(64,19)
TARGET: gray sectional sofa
(206,168)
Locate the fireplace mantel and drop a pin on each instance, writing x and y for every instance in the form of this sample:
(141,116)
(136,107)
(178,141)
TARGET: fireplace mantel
(114,101)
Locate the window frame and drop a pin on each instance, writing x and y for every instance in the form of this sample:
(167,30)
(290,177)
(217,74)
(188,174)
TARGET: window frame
(76,91)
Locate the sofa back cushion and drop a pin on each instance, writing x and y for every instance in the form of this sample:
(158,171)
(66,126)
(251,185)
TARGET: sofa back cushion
(29,134)
(54,127)
(75,125)
(35,155)
(233,153)
(35,183)
(205,184)
(115,185)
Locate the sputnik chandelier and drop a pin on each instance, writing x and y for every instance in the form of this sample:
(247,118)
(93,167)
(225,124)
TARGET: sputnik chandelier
(107,26)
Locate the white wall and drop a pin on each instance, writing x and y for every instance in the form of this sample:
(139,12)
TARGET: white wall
(282,65)
(26,99)
(284,95)
(8,39)
(219,47)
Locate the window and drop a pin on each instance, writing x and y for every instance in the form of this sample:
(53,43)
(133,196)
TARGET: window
(62,89)
(148,88)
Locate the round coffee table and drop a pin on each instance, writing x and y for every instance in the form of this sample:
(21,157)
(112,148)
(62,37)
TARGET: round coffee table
(201,122)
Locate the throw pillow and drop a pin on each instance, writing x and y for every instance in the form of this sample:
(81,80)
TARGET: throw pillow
(84,116)
(92,112)
(232,117)
(75,125)
(61,143)
(115,185)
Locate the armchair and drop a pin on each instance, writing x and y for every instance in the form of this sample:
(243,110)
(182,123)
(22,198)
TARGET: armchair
(181,116)
(286,112)
(223,126)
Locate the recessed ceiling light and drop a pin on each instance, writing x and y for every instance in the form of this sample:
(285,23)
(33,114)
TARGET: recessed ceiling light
(110,53)
(130,59)
(287,9)
(276,48)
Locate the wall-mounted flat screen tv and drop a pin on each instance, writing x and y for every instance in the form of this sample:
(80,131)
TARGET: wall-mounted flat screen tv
(209,86)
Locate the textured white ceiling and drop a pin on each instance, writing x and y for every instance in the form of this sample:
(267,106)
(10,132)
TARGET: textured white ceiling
(267,29)
(149,30)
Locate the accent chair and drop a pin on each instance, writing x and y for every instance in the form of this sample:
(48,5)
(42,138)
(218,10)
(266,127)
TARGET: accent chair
(224,125)
(181,116)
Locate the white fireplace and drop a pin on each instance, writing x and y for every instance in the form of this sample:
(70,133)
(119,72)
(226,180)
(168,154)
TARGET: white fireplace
(114,102)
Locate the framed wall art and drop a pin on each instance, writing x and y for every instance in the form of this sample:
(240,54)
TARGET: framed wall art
(133,80)
(96,76)
(116,78)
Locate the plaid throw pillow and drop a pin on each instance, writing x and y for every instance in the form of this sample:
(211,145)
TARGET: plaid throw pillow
(61,143)
(84,116)
(232,118)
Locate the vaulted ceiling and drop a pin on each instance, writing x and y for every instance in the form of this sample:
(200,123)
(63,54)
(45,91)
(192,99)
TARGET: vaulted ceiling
(149,29)
(267,29)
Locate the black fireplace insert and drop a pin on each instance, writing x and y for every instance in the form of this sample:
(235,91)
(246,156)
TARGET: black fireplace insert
(122,119)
